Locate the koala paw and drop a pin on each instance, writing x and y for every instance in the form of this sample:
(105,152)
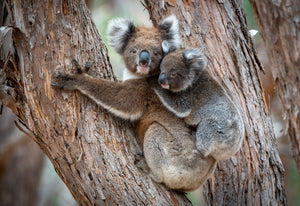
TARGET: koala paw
(204,150)
(69,81)
(79,70)
(63,80)
(140,162)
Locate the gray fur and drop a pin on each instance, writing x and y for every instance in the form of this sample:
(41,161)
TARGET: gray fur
(169,147)
(174,159)
(171,27)
(194,59)
(220,129)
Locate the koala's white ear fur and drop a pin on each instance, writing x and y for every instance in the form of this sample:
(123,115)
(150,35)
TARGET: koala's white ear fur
(170,27)
(167,48)
(118,32)
(194,59)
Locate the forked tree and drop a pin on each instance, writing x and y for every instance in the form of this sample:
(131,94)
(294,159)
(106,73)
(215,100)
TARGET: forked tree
(93,151)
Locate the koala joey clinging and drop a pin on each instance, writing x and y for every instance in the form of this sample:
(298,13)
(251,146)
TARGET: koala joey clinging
(191,93)
(168,146)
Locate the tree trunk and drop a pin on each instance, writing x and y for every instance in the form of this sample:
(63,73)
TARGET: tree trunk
(280,29)
(91,150)
(19,156)
(20,170)
(254,176)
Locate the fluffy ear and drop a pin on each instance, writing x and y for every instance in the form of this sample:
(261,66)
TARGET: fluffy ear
(170,27)
(194,59)
(118,32)
(167,48)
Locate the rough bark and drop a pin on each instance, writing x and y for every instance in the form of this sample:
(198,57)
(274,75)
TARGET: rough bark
(91,150)
(279,23)
(254,176)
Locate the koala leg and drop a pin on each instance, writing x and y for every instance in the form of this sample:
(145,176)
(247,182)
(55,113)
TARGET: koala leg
(153,150)
(141,163)
(220,131)
(173,158)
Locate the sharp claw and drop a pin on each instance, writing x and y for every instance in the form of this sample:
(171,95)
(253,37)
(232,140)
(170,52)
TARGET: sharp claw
(78,68)
(54,84)
(87,66)
(75,62)
(56,74)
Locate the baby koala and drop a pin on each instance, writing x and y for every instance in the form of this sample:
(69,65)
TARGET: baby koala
(186,89)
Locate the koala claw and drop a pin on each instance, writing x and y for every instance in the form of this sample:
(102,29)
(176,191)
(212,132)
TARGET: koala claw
(87,66)
(77,65)
(56,74)
(79,70)
(55,79)
(140,162)
(204,151)
(62,80)
(138,157)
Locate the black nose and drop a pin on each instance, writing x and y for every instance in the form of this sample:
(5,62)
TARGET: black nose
(162,78)
(144,58)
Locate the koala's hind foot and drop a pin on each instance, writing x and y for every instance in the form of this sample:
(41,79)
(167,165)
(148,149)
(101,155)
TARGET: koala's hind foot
(141,163)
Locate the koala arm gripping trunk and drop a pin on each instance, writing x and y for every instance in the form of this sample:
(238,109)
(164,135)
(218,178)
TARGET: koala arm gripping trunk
(179,103)
(122,99)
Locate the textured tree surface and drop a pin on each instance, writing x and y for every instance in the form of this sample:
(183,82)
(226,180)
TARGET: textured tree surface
(254,176)
(93,151)
(279,23)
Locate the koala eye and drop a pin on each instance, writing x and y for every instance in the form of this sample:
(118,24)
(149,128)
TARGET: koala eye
(133,51)
(156,53)
(173,74)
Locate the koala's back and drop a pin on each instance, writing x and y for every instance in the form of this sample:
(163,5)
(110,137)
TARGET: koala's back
(170,147)
(220,128)
(205,90)
(155,112)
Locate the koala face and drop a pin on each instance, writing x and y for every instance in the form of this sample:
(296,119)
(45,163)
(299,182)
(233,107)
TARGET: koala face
(143,52)
(141,47)
(180,69)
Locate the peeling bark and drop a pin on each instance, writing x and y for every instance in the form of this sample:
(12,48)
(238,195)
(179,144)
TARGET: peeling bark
(254,176)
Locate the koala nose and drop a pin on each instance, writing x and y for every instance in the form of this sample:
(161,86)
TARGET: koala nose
(162,78)
(144,58)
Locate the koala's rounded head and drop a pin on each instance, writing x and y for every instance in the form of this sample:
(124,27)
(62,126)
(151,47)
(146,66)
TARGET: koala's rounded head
(180,69)
(141,47)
